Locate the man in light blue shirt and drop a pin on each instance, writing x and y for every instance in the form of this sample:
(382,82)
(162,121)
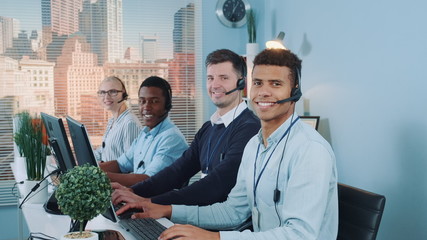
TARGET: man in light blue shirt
(159,143)
(287,180)
(153,150)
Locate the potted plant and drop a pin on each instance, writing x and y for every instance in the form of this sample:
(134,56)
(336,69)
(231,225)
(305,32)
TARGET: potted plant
(22,130)
(84,193)
(31,140)
(251,26)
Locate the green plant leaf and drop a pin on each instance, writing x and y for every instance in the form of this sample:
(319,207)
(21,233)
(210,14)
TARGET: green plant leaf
(84,192)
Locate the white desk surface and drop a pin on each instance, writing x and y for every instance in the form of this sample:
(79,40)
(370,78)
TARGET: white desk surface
(38,220)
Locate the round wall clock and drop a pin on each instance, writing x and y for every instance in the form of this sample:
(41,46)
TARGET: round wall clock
(232,13)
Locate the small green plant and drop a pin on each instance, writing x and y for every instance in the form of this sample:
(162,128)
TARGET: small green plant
(251,26)
(84,193)
(30,137)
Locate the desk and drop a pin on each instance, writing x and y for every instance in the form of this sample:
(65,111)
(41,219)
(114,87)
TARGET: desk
(38,220)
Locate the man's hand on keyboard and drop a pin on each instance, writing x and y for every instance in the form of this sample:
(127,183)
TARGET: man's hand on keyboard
(179,231)
(123,194)
(150,210)
(116,185)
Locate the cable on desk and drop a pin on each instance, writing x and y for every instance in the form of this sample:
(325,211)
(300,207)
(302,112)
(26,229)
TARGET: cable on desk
(42,236)
(14,187)
(37,186)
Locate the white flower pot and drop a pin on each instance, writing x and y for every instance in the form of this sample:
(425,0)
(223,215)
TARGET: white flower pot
(252,49)
(39,195)
(21,165)
(68,236)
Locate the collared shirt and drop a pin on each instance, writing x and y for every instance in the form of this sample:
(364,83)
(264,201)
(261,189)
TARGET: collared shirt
(229,116)
(154,150)
(118,136)
(308,203)
(222,173)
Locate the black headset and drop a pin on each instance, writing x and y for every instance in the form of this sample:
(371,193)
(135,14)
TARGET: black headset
(241,83)
(168,104)
(167,88)
(125,93)
(296,91)
(155,81)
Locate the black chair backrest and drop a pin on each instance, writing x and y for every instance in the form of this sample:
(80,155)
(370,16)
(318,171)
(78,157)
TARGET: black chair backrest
(360,213)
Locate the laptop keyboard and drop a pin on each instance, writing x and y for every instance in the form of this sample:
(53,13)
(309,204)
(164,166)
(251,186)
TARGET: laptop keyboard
(143,228)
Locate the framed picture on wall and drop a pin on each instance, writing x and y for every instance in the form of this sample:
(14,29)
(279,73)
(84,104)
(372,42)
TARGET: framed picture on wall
(311,120)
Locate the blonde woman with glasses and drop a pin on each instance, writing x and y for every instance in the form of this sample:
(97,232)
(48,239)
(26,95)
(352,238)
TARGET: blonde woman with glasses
(123,127)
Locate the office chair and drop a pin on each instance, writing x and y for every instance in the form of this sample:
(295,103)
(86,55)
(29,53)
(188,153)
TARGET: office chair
(360,213)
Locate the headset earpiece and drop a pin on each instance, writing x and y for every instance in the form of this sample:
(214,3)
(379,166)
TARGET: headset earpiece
(168,105)
(296,91)
(296,94)
(241,84)
(167,88)
(125,96)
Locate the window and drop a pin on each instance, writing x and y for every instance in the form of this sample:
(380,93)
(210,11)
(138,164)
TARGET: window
(82,41)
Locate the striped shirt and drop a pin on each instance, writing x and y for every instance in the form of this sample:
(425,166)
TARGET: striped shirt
(118,136)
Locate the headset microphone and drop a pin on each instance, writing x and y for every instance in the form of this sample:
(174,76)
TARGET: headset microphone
(240,86)
(232,90)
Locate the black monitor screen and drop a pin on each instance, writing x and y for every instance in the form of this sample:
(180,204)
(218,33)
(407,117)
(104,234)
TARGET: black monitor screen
(58,141)
(82,146)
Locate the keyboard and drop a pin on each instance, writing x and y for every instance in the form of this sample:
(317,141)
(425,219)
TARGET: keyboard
(143,228)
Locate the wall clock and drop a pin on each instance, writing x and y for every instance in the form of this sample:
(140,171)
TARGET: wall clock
(232,13)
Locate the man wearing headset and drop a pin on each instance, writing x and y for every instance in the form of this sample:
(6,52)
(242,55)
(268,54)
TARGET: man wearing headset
(287,180)
(159,143)
(216,150)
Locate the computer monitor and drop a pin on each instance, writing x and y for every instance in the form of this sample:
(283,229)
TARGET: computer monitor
(61,149)
(58,141)
(84,153)
(82,146)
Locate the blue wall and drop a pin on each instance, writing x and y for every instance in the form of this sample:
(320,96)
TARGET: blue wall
(364,72)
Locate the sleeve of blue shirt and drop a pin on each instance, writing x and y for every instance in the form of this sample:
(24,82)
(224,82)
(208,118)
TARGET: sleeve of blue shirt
(175,175)
(228,214)
(169,148)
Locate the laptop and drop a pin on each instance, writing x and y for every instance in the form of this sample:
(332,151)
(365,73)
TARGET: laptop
(146,228)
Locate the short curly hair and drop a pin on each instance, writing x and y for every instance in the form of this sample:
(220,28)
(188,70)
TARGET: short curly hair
(282,58)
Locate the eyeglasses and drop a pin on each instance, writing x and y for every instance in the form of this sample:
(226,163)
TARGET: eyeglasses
(111,93)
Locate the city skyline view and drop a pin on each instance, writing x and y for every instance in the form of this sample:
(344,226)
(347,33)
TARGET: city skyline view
(134,20)
(54,54)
